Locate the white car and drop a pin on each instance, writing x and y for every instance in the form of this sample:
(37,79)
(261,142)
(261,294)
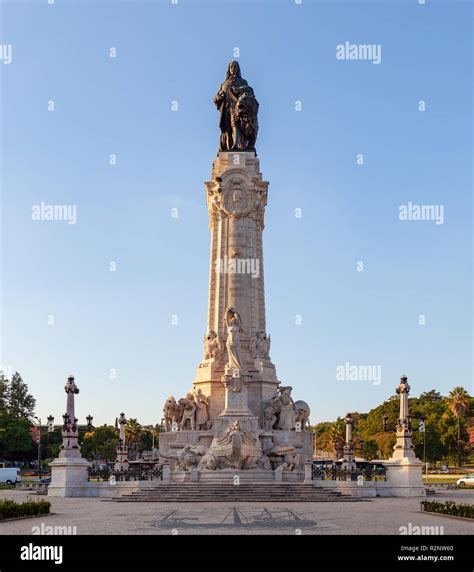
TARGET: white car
(466,481)
(10,476)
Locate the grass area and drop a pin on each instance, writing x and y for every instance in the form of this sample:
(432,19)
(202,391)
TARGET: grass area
(448,479)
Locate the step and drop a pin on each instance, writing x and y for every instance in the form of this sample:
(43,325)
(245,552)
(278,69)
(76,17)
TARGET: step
(206,492)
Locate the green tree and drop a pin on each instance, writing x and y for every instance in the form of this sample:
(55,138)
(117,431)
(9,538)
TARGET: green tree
(15,437)
(145,440)
(431,396)
(371,449)
(459,402)
(3,393)
(132,433)
(20,403)
(50,443)
(101,442)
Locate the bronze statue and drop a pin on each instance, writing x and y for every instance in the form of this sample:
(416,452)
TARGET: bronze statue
(238,108)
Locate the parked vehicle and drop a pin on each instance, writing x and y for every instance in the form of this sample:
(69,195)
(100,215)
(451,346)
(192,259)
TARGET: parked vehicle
(10,475)
(441,471)
(466,481)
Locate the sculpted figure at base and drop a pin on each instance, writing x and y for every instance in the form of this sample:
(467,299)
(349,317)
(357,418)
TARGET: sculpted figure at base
(281,457)
(287,418)
(202,408)
(186,458)
(237,449)
(189,409)
(190,412)
(281,412)
(172,413)
(302,413)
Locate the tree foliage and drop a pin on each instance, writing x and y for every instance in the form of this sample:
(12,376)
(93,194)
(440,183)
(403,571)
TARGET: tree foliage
(442,417)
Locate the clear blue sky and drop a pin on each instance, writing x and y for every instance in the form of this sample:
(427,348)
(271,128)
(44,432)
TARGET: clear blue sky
(169,52)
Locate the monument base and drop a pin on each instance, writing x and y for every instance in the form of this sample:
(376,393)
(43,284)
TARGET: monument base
(66,475)
(404,477)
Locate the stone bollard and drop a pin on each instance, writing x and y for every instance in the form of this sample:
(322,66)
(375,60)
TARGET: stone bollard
(308,469)
(166,473)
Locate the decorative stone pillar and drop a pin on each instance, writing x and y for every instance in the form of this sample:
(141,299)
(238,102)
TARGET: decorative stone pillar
(121,462)
(404,447)
(404,470)
(348,450)
(69,470)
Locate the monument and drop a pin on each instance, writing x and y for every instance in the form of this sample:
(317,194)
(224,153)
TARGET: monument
(348,449)
(69,470)
(238,415)
(121,462)
(404,470)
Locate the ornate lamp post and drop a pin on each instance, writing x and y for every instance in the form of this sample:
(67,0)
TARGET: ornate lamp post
(385,421)
(89,420)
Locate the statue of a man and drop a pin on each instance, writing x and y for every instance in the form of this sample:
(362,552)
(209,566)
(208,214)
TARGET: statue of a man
(287,418)
(238,108)
(202,414)
(189,409)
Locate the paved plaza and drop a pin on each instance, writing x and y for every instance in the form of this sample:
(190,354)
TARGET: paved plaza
(377,516)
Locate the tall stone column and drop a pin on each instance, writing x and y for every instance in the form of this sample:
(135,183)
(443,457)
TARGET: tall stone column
(348,450)
(121,462)
(69,470)
(236,198)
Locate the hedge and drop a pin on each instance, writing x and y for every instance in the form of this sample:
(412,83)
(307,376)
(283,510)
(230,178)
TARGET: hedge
(448,507)
(12,509)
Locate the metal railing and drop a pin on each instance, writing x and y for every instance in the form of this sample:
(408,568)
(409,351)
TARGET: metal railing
(132,474)
(337,473)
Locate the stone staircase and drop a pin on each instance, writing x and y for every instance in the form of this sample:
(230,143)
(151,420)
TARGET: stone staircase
(225,493)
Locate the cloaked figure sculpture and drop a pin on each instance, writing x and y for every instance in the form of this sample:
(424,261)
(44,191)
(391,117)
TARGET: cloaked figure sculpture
(238,108)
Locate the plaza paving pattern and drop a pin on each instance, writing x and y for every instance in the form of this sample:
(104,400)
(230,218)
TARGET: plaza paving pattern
(376,516)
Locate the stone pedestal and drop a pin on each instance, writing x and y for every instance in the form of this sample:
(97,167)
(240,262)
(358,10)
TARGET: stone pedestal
(68,477)
(69,470)
(404,477)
